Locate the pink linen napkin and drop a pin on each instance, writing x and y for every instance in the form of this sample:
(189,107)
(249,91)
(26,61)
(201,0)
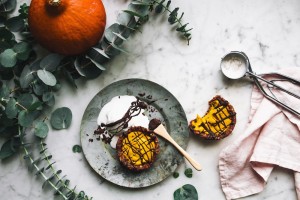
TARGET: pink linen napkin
(272,138)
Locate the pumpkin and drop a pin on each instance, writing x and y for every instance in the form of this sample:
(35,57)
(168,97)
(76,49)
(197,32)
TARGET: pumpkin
(68,27)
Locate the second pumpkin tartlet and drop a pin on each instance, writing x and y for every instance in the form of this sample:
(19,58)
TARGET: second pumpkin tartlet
(218,122)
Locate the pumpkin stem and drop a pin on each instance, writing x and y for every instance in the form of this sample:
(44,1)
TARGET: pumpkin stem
(54,2)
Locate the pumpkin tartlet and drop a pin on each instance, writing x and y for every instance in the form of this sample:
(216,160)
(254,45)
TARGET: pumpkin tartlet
(137,148)
(217,123)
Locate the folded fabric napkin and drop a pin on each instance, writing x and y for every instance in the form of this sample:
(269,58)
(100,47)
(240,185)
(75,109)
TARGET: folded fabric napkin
(272,138)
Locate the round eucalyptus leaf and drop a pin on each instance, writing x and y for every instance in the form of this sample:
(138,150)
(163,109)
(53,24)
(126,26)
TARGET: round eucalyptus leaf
(109,49)
(5,34)
(6,150)
(111,34)
(2,1)
(47,77)
(39,87)
(61,118)
(127,20)
(86,68)
(26,118)
(95,63)
(8,6)
(51,62)
(35,65)
(98,56)
(186,192)
(8,58)
(188,172)
(4,91)
(25,100)
(138,10)
(37,105)
(41,129)
(23,50)
(15,24)
(11,110)
(48,98)
(26,77)
(77,148)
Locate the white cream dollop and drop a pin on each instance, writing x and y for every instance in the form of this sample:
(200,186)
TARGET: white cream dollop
(116,109)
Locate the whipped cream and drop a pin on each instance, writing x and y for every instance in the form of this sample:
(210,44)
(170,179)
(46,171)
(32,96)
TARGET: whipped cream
(115,110)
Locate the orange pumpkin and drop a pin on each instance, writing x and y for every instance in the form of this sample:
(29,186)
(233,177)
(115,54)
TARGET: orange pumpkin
(68,27)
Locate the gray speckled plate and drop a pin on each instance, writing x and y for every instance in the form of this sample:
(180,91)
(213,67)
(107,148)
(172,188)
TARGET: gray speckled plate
(163,105)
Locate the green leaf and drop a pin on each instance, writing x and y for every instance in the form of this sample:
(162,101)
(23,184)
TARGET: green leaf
(61,118)
(77,149)
(86,68)
(109,49)
(111,36)
(2,1)
(25,118)
(23,50)
(11,110)
(9,6)
(137,10)
(26,77)
(8,58)
(175,174)
(47,77)
(126,20)
(7,149)
(4,91)
(36,105)
(25,100)
(188,172)
(186,192)
(6,35)
(51,62)
(48,98)
(15,24)
(95,63)
(41,129)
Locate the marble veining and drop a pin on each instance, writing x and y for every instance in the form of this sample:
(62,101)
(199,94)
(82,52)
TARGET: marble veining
(267,31)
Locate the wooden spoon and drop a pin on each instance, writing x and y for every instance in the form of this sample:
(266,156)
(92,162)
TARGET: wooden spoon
(161,131)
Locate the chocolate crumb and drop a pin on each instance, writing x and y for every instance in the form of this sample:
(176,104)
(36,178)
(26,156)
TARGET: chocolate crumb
(154,123)
(141,94)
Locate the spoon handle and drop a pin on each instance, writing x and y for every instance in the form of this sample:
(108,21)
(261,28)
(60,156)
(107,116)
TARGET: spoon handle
(160,130)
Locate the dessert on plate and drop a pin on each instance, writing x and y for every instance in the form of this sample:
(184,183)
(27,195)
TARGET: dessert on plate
(217,123)
(121,123)
(137,148)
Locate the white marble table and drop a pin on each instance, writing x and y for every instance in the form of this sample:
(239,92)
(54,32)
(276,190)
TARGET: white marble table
(267,31)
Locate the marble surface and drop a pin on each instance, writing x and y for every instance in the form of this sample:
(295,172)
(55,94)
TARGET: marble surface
(267,31)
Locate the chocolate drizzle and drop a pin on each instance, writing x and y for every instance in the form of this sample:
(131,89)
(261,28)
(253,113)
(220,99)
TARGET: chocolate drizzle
(220,128)
(104,130)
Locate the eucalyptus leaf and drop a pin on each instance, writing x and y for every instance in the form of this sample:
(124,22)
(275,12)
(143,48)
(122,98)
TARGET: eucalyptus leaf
(47,77)
(48,98)
(41,129)
(15,24)
(9,6)
(111,36)
(98,55)
(25,100)
(51,62)
(26,77)
(4,91)
(95,63)
(23,50)
(69,77)
(86,68)
(61,118)
(37,105)
(2,1)
(188,172)
(127,20)
(109,49)
(138,10)
(26,118)
(6,149)
(186,192)
(11,110)
(6,35)
(77,149)
(39,87)
(8,58)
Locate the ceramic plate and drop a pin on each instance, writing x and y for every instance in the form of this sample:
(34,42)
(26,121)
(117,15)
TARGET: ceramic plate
(163,105)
